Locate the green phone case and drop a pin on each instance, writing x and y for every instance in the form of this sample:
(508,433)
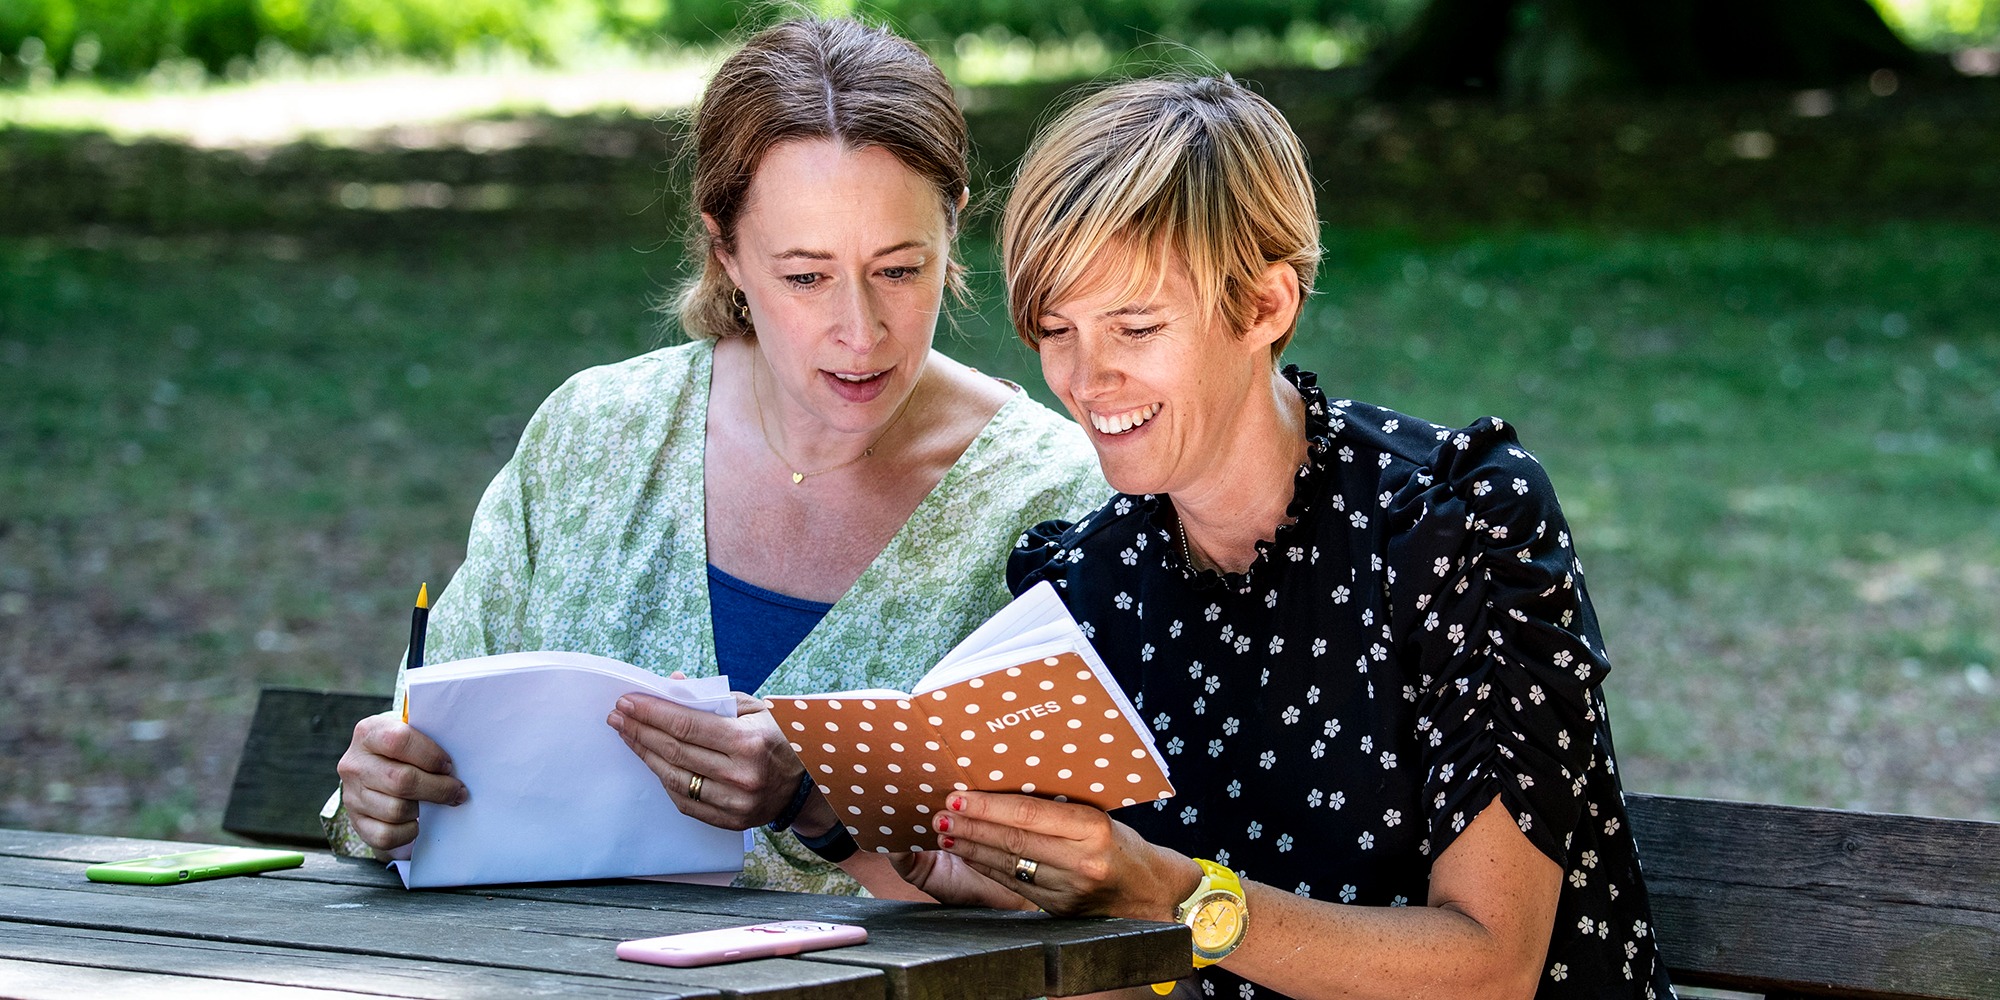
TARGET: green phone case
(213,862)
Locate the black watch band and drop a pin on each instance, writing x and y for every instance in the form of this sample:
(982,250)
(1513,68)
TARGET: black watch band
(792,809)
(834,846)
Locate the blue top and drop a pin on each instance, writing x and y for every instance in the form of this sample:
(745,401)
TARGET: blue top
(755,629)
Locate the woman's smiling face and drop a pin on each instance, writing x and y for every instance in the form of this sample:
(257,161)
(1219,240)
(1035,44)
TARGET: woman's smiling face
(1157,382)
(841,256)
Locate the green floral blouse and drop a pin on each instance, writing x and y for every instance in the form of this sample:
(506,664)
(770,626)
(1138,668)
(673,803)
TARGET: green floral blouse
(593,539)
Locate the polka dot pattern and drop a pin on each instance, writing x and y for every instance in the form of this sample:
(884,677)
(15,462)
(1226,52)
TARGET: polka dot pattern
(1017,729)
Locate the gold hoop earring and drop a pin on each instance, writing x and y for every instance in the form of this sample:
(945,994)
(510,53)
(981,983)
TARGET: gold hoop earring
(742,308)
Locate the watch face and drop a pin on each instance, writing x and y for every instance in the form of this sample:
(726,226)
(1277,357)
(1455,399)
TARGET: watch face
(1217,922)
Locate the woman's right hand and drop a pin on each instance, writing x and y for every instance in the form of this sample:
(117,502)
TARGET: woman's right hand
(387,770)
(948,878)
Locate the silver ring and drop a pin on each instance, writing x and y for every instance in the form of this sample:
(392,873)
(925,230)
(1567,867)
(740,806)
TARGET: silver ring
(1025,870)
(694,787)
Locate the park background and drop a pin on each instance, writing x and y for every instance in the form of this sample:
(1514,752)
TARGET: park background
(282,280)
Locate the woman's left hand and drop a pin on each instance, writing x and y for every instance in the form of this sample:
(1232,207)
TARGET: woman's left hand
(748,772)
(1084,863)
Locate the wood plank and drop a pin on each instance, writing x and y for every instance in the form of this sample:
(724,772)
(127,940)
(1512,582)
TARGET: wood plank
(1071,955)
(213,962)
(1080,955)
(919,964)
(1076,956)
(287,768)
(87,848)
(35,981)
(1827,902)
(1721,935)
(393,923)
(1892,858)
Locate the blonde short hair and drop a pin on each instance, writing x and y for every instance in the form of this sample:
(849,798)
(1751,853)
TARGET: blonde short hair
(805,79)
(1200,169)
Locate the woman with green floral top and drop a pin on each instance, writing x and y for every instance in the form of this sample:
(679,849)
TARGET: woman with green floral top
(806,497)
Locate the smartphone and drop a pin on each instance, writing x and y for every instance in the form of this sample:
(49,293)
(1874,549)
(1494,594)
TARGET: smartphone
(213,862)
(735,944)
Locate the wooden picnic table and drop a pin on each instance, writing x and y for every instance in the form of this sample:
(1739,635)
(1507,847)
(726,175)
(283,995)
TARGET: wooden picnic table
(342,927)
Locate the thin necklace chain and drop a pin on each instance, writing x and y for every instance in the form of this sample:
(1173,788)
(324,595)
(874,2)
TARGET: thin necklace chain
(799,476)
(1187,554)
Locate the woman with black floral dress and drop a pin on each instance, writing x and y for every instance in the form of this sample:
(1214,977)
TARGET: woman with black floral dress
(1362,638)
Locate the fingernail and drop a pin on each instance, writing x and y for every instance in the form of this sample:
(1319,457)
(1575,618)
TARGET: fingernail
(944,823)
(463,795)
(956,802)
(946,842)
(615,720)
(624,704)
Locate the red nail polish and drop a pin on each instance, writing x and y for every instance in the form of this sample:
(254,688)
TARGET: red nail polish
(944,824)
(957,803)
(946,842)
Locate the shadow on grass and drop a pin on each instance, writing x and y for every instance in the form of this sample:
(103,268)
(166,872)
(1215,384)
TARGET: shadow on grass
(1927,151)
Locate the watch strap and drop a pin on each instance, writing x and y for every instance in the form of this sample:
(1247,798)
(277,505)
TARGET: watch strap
(1215,878)
(835,845)
(797,805)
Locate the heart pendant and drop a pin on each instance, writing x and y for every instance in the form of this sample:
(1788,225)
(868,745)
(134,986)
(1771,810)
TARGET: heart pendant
(798,477)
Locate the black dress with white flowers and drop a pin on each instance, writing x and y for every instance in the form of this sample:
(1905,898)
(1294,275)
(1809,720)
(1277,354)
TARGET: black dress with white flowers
(1416,642)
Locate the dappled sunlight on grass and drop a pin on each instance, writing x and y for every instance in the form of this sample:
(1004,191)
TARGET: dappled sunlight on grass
(999,57)
(414,103)
(359,100)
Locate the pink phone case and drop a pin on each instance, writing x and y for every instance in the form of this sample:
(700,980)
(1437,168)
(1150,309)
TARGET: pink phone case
(735,944)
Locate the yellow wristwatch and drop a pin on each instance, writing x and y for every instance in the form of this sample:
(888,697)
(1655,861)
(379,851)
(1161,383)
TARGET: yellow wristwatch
(1217,914)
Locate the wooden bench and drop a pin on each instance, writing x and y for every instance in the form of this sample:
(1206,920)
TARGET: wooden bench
(287,769)
(1782,901)
(1793,902)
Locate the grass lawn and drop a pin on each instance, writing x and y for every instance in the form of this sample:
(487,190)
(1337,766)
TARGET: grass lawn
(227,462)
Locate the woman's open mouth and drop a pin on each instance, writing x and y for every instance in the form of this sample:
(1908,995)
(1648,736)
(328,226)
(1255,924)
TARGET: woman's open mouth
(858,387)
(1123,422)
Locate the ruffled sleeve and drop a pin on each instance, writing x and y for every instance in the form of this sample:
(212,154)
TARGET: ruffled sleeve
(1488,596)
(1039,555)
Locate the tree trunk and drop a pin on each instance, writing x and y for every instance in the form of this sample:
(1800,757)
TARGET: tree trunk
(1536,48)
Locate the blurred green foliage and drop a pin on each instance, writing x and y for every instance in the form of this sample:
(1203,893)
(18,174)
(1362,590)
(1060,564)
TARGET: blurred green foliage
(1129,22)
(1943,24)
(126,38)
(122,39)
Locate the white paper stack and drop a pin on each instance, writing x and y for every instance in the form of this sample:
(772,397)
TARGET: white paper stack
(555,794)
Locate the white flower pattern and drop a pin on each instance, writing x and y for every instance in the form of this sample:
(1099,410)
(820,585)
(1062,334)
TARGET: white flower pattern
(1473,629)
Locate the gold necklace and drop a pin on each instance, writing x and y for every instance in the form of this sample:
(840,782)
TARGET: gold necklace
(801,476)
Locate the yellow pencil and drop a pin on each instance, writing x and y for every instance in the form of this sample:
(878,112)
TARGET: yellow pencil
(420,618)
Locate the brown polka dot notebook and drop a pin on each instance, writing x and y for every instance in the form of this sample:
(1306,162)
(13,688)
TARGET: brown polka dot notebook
(1022,705)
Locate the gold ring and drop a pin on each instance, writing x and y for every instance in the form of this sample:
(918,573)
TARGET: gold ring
(694,787)
(1025,870)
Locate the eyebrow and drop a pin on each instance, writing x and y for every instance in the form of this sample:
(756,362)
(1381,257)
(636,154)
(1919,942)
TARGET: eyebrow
(801,254)
(1135,309)
(1142,309)
(1131,309)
